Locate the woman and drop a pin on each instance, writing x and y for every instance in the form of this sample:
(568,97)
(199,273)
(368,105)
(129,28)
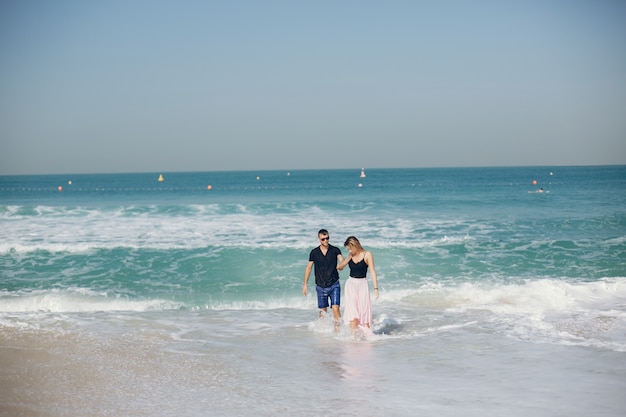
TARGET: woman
(357,302)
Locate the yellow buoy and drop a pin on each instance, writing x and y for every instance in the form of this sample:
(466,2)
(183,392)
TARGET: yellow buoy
(161,179)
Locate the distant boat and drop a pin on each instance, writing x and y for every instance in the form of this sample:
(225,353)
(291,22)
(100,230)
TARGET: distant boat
(362,172)
(161,179)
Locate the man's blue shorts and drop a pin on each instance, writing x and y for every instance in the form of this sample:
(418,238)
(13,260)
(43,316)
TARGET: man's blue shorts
(323,294)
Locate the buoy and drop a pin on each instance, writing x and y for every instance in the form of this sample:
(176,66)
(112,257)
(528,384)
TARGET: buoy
(534,182)
(209,187)
(161,179)
(362,172)
(60,188)
(258,178)
(360,185)
(69,182)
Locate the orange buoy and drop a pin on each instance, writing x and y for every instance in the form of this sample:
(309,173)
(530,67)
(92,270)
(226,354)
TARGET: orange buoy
(209,187)
(60,188)
(534,182)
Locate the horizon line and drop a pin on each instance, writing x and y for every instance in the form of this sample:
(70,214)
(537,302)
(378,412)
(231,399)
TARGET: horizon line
(315,169)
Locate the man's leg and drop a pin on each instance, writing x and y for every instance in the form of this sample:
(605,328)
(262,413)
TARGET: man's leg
(335,301)
(322,300)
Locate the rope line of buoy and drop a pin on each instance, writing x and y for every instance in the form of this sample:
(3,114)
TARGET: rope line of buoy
(146,189)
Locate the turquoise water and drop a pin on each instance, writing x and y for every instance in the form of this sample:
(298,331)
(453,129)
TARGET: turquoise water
(477,270)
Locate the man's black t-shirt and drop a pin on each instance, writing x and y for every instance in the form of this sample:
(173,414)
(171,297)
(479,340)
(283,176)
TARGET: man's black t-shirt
(325,266)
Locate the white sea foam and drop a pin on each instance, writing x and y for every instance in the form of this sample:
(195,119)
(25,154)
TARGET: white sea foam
(75,300)
(299,303)
(79,300)
(539,297)
(544,310)
(79,230)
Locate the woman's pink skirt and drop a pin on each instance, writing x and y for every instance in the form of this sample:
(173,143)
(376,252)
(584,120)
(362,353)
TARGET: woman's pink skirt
(357,302)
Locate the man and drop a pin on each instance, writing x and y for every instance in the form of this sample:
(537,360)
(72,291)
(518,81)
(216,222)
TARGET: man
(325,258)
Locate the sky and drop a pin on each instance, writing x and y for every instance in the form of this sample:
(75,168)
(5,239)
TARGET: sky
(166,86)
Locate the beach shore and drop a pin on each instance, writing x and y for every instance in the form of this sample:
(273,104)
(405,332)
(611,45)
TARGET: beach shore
(44,373)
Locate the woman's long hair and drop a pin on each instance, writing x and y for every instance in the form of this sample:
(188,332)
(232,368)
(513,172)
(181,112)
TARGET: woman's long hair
(353,242)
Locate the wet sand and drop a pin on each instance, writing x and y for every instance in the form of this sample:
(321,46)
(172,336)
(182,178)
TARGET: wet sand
(48,374)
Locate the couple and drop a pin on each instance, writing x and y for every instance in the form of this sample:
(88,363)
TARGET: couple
(358,306)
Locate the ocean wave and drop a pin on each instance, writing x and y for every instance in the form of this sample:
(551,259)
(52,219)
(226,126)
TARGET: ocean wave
(81,300)
(76,300)
(539,298)
(548,310)
(84,230)
(591,314)
(528,297)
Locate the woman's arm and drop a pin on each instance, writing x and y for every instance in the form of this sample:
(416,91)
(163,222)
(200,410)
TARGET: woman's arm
(369,260)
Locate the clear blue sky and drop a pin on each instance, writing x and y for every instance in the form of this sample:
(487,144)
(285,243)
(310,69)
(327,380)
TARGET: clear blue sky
(162,86)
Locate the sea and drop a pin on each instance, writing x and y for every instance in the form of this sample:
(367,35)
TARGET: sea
(502,293)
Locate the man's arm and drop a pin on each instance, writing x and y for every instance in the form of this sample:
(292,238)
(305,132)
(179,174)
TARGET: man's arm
(307,274)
